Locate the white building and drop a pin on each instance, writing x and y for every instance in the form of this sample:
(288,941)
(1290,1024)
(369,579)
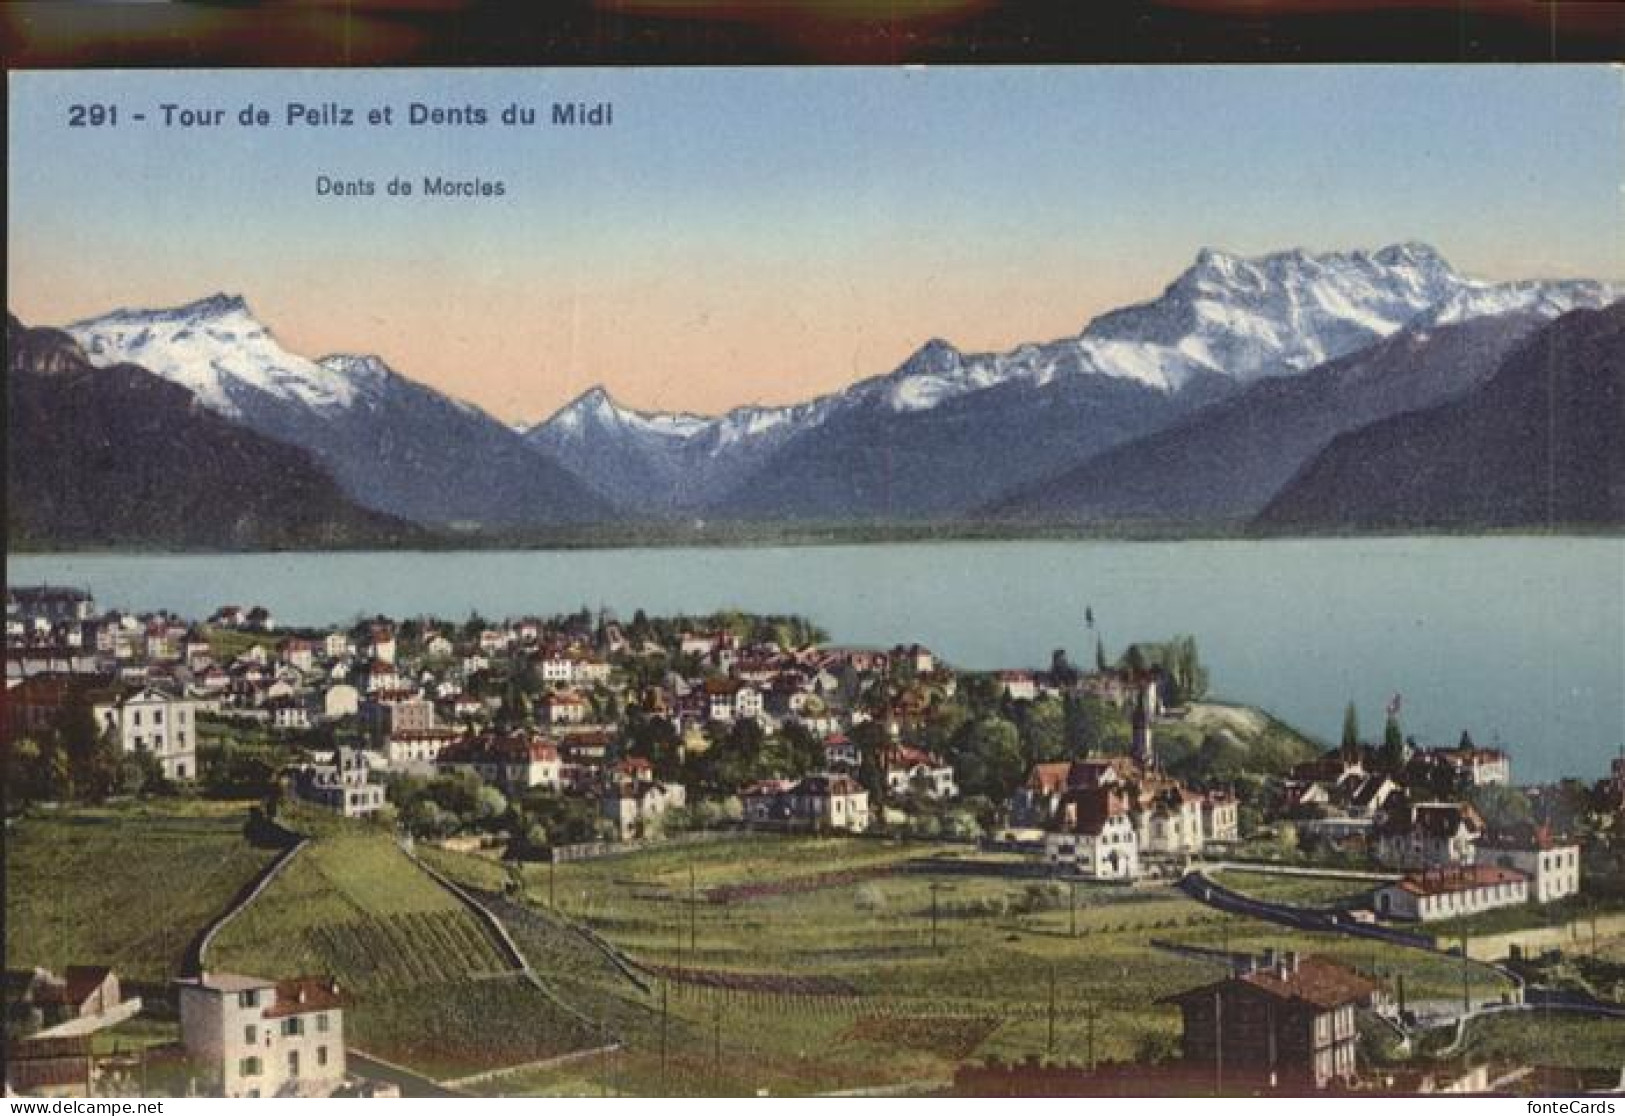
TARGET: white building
(264,1038)
(342,700)
(1094,836)
(1553,866)
(1452,893)
(1429,835)
(343,784)
(637,808)
(149,720)
(912,770)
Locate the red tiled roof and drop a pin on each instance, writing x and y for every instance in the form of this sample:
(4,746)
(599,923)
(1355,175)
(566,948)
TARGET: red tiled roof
(299,995)
(1048,778)
(1317,981)
(1467,878)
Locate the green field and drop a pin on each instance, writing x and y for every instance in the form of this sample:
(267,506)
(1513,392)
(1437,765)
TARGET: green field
(838,985)
(1548,1039)
(125,886)
(1301,891)
(428,986)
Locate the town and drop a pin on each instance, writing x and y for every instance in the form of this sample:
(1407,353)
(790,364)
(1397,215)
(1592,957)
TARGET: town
(635,845)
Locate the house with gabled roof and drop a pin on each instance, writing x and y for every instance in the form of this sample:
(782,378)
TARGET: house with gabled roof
(264,1038)
(1093,834)
(1287,1023)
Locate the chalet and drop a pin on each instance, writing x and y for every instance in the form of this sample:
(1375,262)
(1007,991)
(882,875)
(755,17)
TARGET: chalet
(1428,835)
(381,643)
(342,784)
(1171,823)
(912,770)
(1288,1024)
(513,761)
(1452,893)
(825,802)
(438,646)
(264,1038)
(336,645)
(1093,835)
(637,809)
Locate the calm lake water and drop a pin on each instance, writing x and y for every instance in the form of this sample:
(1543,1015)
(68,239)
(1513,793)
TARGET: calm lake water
(1521,641)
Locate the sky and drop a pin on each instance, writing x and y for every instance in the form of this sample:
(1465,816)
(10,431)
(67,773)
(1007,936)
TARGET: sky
(767,235)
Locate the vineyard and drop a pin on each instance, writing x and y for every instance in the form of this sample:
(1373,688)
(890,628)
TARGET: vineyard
(166,870)
(428,985)
(796,965)
(454,1029)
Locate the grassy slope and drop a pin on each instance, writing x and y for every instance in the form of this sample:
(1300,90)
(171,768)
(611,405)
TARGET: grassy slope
(994,967)
(123,886)
(1302,891)
(428,986)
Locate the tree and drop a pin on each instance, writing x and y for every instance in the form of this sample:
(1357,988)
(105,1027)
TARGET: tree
(1044,730)
(1392,754)
(1504,809)
(1351,727)
(1100,656)
(990,758)
(871,741)
(1134,658)
(803,753)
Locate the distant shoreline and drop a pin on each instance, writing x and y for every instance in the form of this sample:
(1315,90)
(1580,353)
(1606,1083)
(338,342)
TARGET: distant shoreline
(742,536)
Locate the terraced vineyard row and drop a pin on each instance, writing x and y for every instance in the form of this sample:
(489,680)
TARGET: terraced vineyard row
(424,947)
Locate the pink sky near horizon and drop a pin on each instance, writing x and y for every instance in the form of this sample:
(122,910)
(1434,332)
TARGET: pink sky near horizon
(743,337)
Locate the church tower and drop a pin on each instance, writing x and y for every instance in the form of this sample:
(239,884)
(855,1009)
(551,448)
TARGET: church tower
(1143,748)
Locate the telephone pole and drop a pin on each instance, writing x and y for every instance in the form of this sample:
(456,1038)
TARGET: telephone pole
(664,1015)
(1073,888)
(1049,1042)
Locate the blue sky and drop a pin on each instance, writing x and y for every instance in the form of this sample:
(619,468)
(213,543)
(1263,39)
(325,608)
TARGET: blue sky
(763,235)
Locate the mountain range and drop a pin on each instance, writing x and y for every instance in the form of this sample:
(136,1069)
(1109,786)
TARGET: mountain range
(1538,444)
(393,444)
(1190,411)
(116,456)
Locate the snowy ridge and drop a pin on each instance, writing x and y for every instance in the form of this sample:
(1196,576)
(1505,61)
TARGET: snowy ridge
(216,348)
(1226,315)
(1546,299)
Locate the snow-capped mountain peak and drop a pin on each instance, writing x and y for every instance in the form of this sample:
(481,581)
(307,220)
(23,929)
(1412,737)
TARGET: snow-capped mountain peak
(359,368)
(217,349)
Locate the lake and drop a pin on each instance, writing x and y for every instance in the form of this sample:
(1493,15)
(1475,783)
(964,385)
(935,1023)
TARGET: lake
(1519,640)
